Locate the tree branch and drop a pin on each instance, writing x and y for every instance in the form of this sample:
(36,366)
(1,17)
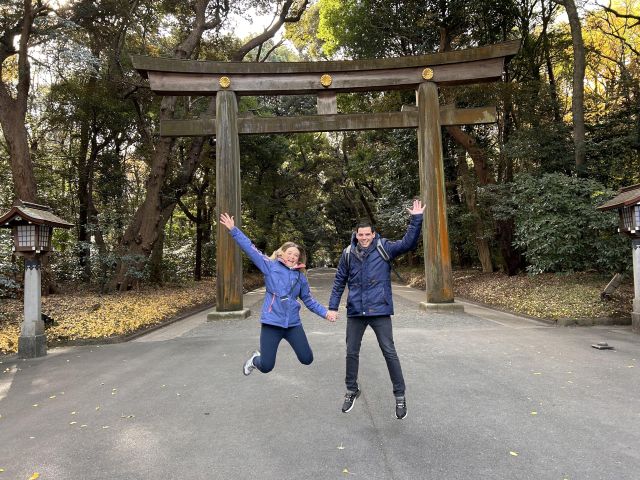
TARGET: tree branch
(186,211)
(273,28)
(622,15)
(271,50)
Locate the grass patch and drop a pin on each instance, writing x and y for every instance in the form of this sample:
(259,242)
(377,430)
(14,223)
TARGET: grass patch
(548,295)
(84,315)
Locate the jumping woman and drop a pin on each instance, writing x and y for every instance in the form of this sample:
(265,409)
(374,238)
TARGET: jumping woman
(285,279)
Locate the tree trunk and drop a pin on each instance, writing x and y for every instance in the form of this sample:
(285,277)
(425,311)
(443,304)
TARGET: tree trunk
(197,271)
(13,112)
(15,133)
(512,260)
(577,98)
(156,269)
(469,195)
(477,154)
(546,18)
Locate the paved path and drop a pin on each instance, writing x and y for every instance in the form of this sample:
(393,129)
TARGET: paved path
(490,396)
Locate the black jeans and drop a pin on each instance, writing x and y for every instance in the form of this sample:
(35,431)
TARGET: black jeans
(384,333)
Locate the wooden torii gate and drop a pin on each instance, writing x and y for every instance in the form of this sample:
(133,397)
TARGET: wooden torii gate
(424,73)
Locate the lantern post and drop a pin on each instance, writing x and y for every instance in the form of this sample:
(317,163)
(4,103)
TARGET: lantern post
(627,203)
(32,227)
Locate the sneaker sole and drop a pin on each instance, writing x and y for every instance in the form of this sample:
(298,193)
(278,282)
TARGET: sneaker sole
(402,418)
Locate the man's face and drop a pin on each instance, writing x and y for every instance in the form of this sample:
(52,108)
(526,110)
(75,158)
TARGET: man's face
(364,236)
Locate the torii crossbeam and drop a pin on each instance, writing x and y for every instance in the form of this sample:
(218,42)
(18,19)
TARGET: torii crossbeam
(423,73)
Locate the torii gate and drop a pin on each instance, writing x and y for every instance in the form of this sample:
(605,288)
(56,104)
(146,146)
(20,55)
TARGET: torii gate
(424,73)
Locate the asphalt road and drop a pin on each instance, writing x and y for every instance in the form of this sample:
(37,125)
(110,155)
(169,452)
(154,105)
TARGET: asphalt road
(490,396)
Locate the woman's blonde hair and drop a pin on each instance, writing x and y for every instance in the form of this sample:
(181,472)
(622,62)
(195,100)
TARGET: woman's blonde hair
(287,245)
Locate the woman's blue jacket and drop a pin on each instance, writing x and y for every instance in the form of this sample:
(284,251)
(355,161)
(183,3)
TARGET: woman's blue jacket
(369,278)
(284,286)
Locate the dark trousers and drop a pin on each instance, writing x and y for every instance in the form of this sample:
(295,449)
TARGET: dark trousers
(270,337)
(384,333)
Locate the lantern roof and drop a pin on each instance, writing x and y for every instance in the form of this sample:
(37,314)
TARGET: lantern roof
(33,213)
(626,197)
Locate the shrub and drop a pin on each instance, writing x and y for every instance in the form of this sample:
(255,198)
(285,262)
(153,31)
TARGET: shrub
(558,227)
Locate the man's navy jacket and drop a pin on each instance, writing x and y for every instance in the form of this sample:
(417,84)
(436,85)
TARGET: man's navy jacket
(369,277)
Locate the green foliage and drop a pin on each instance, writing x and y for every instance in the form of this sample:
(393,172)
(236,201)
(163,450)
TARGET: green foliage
(9,271)
(557,225)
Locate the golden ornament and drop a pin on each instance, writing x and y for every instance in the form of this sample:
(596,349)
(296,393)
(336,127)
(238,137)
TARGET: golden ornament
(326,80)
(427,73)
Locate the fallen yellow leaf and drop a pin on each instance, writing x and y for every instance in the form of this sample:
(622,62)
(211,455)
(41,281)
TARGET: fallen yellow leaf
(34,476)
(534,413)
(514,454)
(345,471)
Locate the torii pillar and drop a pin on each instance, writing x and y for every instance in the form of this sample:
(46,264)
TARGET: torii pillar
(228,198)
(437,253)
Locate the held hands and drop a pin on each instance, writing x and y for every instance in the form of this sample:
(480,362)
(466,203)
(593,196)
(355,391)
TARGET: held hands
(332,315)
(227,220)
(417,209)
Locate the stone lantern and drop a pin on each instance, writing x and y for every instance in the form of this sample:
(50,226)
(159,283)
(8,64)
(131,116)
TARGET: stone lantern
(627,202)
(32,226)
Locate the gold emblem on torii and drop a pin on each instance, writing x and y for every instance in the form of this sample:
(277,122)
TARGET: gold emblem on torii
(224,82)
(427,73)
(326,80)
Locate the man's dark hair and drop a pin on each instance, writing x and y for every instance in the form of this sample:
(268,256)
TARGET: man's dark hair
(365,224)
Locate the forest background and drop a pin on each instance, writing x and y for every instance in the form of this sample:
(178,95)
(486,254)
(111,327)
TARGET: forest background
(79,133)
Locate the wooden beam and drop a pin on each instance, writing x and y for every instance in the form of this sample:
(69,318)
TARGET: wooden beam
(326,123)
(180,83)
(467,116)
(146,64)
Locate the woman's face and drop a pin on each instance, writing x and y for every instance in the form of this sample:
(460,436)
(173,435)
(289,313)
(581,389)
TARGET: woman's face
(291,256)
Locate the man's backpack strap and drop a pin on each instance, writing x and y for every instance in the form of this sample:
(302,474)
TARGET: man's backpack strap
(346,254)
(385,256)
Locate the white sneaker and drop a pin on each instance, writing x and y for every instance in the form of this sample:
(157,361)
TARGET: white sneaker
(248,365)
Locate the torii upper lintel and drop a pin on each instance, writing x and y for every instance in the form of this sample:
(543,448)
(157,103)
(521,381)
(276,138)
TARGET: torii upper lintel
(188,77)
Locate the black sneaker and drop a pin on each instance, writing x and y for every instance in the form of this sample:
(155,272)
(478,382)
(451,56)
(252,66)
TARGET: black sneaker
(248,365)
(401,408)
(349,400)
